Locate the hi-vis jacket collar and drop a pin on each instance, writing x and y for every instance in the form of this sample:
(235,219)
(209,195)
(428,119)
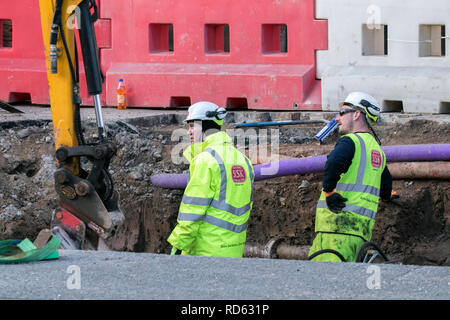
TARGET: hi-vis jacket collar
(194,149)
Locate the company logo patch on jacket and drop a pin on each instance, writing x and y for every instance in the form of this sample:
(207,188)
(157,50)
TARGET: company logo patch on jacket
(238,174)
(376,159)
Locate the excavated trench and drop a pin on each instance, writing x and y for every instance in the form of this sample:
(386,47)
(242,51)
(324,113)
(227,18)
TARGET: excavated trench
(413,230)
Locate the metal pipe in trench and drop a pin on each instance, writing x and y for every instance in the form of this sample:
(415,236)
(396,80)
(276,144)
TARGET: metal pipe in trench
(276,249)
(285,251)
(420,170)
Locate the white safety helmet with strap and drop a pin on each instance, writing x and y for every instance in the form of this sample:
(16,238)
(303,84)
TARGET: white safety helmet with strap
(205,110)
(364,102)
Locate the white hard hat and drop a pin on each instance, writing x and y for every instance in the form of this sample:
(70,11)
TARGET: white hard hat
(205,110)
(365,103)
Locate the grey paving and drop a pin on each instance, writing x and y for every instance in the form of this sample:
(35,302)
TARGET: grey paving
(35,112)
(130,276)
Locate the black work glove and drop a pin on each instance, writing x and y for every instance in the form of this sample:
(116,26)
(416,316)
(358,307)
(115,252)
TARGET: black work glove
(335,202)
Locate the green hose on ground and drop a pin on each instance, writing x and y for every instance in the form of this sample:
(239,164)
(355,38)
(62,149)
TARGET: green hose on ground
(19,251)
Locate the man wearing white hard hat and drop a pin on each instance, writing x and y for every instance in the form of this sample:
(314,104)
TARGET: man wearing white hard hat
(216,205)
(354,179)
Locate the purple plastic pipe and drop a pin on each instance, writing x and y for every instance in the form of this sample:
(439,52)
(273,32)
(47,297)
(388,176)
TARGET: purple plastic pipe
(401,153)
(170,181)
(417,152)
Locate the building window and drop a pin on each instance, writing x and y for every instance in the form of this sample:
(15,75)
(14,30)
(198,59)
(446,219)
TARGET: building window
(431,40)
(374,40)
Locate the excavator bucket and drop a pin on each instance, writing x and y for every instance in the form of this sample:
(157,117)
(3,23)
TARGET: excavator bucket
(87,199)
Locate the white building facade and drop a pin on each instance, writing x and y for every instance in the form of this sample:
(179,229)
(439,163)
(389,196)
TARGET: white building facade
(396,50)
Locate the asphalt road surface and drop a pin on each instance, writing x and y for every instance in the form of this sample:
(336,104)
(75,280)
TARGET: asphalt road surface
(110,275)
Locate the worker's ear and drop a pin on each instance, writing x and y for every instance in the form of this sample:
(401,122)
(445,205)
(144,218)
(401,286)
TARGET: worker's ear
(357,115)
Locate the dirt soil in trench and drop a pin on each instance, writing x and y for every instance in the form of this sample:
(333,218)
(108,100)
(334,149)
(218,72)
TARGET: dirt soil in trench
(414,229)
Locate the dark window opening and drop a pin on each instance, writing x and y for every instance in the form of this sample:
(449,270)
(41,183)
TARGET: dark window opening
(237,103)
(179,102)
(5,34)
(374,40)
(161,38)
(392,106)
(274,38)
(444,107)
(217,38)
(22,97)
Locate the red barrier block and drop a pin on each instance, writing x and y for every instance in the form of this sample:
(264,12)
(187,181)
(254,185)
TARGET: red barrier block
(23,74)
(167,84)
(174,53)
(22,64)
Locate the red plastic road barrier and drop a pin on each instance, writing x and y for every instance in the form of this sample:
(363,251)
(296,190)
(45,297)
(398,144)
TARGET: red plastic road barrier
(22,62)
(22,65)
(174,53)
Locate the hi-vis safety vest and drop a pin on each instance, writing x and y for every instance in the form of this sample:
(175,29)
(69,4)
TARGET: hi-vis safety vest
(361,186)
(216,205)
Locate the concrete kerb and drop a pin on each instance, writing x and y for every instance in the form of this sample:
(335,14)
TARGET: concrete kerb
(126,275)
(34,115)
(176,118)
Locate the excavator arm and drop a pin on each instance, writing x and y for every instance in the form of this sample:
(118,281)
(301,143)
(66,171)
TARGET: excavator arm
(89,204)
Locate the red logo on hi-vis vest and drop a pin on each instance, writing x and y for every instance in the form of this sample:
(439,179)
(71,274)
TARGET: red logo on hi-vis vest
(376,159)
(238,174)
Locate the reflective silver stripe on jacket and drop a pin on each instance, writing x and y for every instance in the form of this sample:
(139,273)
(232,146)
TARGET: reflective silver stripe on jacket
(219,204)
(213,220)
(358,186)
(351,207)
(196,201)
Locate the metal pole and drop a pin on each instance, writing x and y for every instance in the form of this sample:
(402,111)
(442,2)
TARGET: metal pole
(98,113)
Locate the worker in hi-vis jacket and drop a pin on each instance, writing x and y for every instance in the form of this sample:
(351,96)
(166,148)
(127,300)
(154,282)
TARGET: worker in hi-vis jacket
(216,205)
(354,179)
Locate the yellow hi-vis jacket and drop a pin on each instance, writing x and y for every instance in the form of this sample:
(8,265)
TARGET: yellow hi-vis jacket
(361,186)
(216,205)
